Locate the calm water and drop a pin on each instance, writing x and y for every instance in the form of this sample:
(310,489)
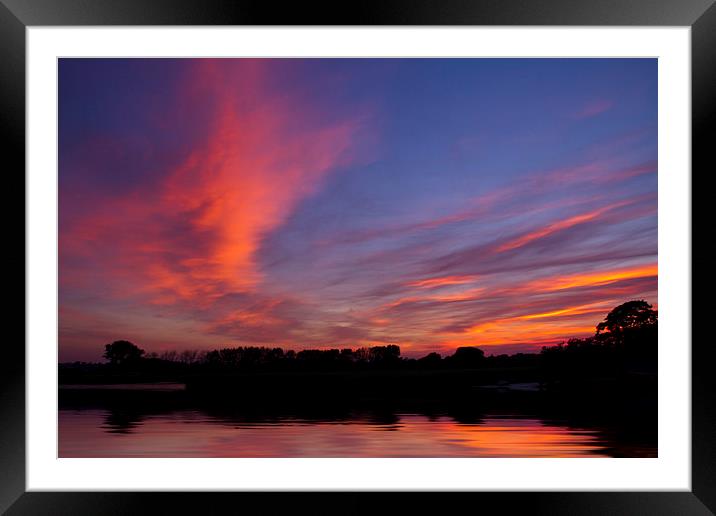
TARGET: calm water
(189,433)
(137,429)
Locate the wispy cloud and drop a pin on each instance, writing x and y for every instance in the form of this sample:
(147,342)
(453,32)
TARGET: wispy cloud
(594,108)
(255,202)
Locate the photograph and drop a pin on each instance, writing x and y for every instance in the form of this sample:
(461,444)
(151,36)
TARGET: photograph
(357,257)
(313,257)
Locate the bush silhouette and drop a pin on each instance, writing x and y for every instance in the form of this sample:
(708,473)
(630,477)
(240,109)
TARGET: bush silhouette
(468,356)
(122,352)
(632,315)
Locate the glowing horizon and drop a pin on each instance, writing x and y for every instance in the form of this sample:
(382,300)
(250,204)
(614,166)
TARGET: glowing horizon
(330,203)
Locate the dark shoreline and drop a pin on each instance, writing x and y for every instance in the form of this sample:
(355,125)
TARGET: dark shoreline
(381,384)
(274,392)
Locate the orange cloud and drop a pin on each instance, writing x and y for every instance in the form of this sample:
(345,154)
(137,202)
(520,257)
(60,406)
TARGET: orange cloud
(563,323)
(515,330)
(574,310)
(246,181)
(195,236)
(441,282)
(597,278)
(465,295)
(257,314)
(555,227)
(536,327)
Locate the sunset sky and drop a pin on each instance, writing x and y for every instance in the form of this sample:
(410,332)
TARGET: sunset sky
(318,203)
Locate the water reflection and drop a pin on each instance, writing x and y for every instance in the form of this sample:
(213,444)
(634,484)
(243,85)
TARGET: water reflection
(122,422)
(200,433)
(164,421)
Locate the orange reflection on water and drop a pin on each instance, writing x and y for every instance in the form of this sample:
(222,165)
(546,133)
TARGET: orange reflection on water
(525,438)
(99,433)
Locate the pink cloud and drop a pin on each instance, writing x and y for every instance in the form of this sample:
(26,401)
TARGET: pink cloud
(594,108)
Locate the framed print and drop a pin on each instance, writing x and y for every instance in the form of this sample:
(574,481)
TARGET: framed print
(441,249)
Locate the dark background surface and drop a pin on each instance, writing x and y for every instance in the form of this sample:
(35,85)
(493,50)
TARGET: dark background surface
(385,12)
(15,15)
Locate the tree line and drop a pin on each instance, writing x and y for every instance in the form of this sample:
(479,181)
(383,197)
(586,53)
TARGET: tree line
(124,354)
(625,340)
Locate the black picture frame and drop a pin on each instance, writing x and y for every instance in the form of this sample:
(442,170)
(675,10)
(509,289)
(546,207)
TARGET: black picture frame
(700,15)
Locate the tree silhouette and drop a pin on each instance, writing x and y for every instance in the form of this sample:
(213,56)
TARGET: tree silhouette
(430,360)
(467,356)
(632,315)
(122,352)
(625,341)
